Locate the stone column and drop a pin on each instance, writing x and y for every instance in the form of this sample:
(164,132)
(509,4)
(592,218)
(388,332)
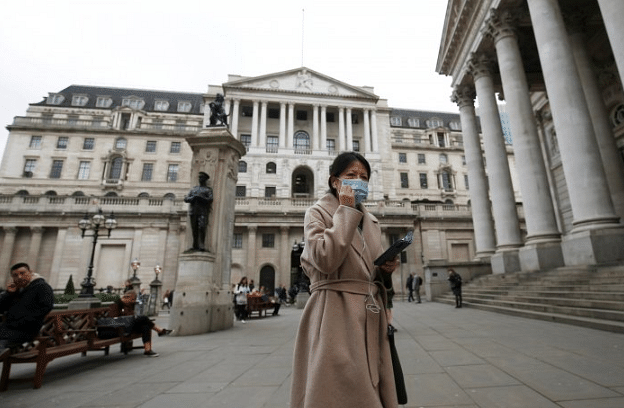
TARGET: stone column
(291,124)
(251,254)
(613,16)
(5,255)
(349,124)
(35,247)
(542,249)
(254,125)
(315,128)
(282,132)
(374,131)
(483,223)
(367,138)
(341,130)
(611,159)
(592,208)
(263,119)
(323,129)
(284,265)
(503,199)
(235,114)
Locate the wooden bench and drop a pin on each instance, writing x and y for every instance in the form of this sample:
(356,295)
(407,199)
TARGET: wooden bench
(257,305)
(64,332)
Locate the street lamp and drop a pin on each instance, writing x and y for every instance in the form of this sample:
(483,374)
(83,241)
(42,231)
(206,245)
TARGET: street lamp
(155,286)
(135,266)
(97,221)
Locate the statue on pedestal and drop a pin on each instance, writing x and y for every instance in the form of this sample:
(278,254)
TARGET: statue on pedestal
(200,204)
(217,111)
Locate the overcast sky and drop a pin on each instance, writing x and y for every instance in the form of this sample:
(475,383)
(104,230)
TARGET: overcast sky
(184,45)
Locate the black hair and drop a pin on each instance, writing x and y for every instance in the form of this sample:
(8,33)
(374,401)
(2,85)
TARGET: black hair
(341,162)
(20,265)
(242,279)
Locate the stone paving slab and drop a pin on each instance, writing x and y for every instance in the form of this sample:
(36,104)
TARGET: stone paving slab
(451,357)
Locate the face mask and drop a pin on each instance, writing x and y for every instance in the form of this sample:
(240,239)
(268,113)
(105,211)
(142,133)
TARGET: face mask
(359,187)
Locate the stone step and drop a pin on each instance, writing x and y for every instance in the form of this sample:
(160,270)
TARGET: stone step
(581,302)
(577,294)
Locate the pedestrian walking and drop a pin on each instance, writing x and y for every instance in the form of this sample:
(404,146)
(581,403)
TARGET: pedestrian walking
(455,281)
(416,283)
(410,287)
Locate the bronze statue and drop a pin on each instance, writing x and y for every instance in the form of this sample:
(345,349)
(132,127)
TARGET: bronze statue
(200,203)
(217,111)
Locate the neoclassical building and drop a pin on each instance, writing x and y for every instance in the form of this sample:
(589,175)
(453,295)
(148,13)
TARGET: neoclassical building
(559,67)
(124,151)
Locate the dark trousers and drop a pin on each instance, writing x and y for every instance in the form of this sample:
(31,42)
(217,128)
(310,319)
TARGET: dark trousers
(241,312)
(143,325)
(458,298)
(12,338)
(411,295)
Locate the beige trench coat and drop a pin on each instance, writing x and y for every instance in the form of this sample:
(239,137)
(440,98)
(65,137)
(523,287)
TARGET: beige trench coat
(342,354)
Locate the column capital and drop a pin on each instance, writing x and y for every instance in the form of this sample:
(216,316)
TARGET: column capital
(236,99)
(464,96)
(252,228)
(480,65)
(264,103)
(10,230)
(36,229)
(499,25)
(284,228)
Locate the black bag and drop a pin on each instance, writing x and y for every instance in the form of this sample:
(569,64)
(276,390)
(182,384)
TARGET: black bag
(108,327)
(396,368)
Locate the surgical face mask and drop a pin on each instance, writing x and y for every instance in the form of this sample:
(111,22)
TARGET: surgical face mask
(359,187)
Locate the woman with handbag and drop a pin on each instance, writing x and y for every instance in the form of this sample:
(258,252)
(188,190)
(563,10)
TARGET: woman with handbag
(342,351)
(140,324)
(241,291)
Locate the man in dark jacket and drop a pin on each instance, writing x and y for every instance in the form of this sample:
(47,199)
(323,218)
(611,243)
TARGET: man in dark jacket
(26,302)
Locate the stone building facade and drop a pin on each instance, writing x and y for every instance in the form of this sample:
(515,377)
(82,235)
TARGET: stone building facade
(125,151)
(559,66)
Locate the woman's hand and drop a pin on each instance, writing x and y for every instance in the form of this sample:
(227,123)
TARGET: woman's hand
(390,266)
(346,196)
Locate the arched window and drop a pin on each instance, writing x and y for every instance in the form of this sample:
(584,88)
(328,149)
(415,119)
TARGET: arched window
(115,170)
(267,278)
(78,194)
(111,194)
(271,168)
(302,142)
(22,193)
(242,166)
(302,182)
(50,193)
(170,196)
(144,195)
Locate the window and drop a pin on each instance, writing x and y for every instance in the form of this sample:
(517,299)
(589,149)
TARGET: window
(150,146)
(330,117)
(395,121)
(423,180)
(466,182)
(421,158)
(148,170)
(35,142)
(247,111)
(404,180)
(434,122)
(441,140)
(103,102)
(355,119)
(446,181)
(331,145)
(83,170)
(443,159)
(302,142)
(302,115)
(120,143)
(124,123)
(413,122)
(79,100)
(172,173)
(246,140)
(61,143)
(55,99)
(268,240)
(356,145)
(402,157)
(116,166)
(241,191)
(271,168)
(272,144)
(237,240)
(161,105)
(184,106)
(134,103)
(29,167)
(57,168)
(274,113)
(175,147)
(242,166)
(455,125)
(88,143)
(269,192)
(463,160)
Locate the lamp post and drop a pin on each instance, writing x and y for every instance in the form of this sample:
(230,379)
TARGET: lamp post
(94,224)
(136,282)
(155,286)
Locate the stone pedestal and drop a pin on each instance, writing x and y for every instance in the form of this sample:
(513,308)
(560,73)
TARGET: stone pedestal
(543,256)
(202,300)
(505,262)
(595,246)
(302,299)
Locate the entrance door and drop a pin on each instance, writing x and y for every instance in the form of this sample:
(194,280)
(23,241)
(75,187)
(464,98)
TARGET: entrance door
(267,279)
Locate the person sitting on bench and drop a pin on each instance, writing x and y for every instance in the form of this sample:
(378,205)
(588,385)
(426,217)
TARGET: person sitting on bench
(140,324)
(27,301)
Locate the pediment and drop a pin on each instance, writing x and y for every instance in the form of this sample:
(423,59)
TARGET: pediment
(300,80)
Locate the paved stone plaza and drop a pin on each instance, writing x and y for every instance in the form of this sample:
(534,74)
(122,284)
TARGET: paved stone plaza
(451,357)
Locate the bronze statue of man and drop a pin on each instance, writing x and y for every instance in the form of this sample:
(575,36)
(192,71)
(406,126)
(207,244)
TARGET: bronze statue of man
(200,203)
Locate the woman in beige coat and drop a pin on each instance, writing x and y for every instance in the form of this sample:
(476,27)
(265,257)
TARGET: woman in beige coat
(342,354)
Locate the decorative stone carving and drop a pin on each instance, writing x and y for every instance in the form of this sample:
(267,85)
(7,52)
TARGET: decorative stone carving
(499,25)
(464,96)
